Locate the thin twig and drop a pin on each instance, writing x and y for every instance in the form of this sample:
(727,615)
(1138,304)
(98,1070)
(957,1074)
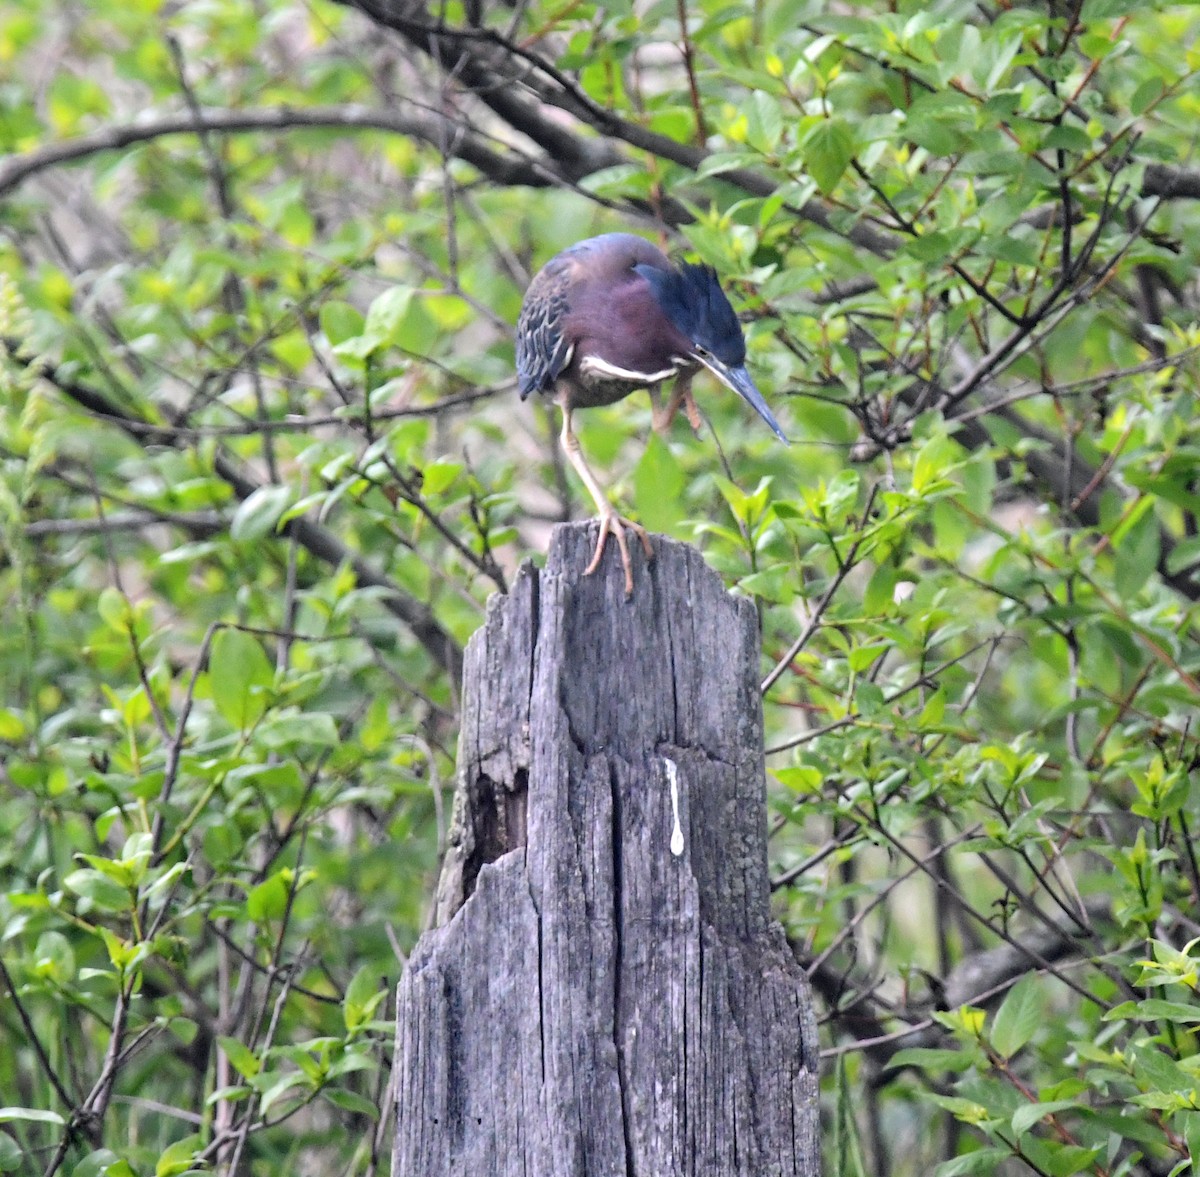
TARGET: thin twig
(31,1033)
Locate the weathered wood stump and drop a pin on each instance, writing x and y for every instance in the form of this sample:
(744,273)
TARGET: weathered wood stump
(597,1001)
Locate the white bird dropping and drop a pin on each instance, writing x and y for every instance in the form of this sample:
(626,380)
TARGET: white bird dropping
(676,831)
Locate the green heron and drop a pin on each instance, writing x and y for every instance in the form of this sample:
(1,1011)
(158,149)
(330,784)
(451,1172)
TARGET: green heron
(610,315)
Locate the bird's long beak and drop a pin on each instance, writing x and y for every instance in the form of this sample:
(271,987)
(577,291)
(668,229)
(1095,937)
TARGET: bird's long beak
(739,380)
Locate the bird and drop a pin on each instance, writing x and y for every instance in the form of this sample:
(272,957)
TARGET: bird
(611,315)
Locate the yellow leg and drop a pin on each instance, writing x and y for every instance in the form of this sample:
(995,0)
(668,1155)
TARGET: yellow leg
(689,405)
(610,521)
(661,415)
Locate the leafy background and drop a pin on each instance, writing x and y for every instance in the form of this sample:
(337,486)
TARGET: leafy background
(261,464)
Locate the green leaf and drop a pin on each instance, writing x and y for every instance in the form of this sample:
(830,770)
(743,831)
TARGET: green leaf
(1155,1009)
(385,315)
(1137,550)
(879,595)
(725,161)
(54,958)
(939,245)
(30,1115)
(298,729)
(966,1110)
(103,1163)
(1025,1117)
(984,1160)
(240,1056)
(340,321)
(869,698)
(1017,248)
(239,675)
(764,122)
(10,1154)
(1062,1160)
(184,1029)
(396,318)
(122,954)
(933,463)
(802,779)
(12,726)
(99,889)
(861,657)
(942,123)
(281,1087)
(279,784)
(1145,95)
(363,995)
(350,1101)
(827,151)
(418,331)
(259,514)
(934,710)
(621,181)
(777,583)
(1191,1133)
(1068,138)
(1018,1017)
(114,610)
(177,1158)
(658,484)
(1155,1070)
(1173,483)
(929,1059)
(269,900)
(439,476)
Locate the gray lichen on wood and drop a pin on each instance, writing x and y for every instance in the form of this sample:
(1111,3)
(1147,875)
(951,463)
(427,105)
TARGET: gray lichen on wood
(592,1004)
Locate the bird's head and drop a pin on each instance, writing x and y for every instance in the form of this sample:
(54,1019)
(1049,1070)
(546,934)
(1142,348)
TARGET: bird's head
(692,298)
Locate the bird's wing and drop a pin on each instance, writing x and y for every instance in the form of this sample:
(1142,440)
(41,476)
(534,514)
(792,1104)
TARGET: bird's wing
(543,347)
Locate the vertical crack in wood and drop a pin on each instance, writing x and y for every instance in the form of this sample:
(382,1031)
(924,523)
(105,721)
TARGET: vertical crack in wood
(452,996)
(618,1022)
(676,735)
(541,981)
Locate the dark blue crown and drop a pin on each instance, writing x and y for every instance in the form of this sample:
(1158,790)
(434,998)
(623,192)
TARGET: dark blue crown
(692,298)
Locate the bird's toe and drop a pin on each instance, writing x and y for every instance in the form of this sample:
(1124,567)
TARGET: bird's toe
(613,524)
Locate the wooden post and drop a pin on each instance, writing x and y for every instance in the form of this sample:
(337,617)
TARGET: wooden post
(606,992)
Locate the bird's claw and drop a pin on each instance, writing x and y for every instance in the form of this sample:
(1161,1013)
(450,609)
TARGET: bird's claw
(612,523)
(662,416)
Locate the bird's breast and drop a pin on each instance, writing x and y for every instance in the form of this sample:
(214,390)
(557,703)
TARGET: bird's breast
(598,381)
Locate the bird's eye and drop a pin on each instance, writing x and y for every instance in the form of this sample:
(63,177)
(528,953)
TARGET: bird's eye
(702,352)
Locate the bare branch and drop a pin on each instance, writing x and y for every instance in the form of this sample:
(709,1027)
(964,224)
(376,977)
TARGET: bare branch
(1171,183)
(460,142)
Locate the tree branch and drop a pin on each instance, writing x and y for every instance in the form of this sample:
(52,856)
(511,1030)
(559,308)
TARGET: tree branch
(976,980)
(459,141)
(501,75)
(317,540)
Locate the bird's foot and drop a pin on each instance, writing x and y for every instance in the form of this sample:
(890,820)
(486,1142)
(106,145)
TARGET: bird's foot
(662,416)
(611,522)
